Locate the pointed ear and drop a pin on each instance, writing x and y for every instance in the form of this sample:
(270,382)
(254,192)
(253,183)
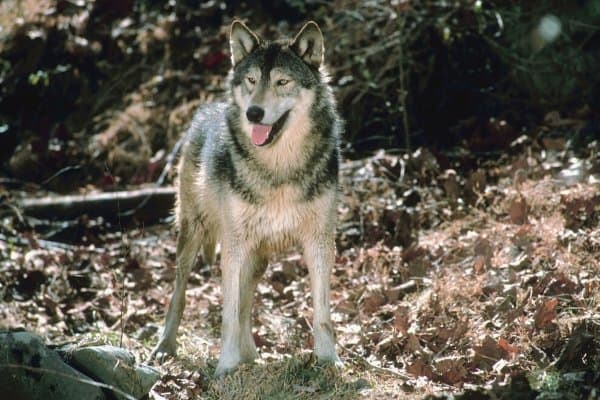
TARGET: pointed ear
(308,44)
(242,41)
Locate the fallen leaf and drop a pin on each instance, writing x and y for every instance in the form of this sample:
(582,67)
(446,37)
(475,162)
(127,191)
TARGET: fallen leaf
(479,265)
(488,352)
(451,370)
(545,314)
(507,347)
(518,209)
(372,301)
(420,368)
(413,345)
(401,320)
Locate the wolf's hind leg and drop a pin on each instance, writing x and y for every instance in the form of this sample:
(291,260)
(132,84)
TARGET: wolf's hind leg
(188,245)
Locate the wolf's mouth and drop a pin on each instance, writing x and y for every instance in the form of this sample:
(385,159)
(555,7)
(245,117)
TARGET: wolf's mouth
(262,135)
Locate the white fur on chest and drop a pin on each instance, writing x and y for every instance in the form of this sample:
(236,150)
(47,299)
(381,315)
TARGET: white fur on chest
(281,219)
(280,212)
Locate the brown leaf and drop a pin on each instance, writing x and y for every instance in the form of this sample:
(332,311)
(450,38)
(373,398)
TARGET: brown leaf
(372,301)
(483,248)
(488,352)
(507,347)
(450,183)
(420,368)
(401,320)
(451,370)
(518,210)
(479,265)
(413,345)
(414,252)
(561,284)
(477,181)
(545,314)
(346,307)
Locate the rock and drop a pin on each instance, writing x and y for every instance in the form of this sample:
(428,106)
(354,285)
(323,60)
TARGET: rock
(115,367)
(30,370)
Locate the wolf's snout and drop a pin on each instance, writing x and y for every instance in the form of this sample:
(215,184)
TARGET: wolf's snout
(255,114)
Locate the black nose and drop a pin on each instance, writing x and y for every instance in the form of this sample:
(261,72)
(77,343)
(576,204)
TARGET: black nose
(255,114)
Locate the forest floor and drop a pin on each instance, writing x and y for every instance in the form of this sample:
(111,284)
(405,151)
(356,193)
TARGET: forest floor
(496,285)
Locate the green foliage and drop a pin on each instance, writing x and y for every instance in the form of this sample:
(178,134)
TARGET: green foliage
(39,77)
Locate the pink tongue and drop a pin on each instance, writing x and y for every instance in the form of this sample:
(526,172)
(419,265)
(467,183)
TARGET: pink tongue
(260,134)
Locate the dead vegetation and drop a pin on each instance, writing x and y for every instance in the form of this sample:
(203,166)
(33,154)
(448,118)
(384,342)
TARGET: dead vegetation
(473,298)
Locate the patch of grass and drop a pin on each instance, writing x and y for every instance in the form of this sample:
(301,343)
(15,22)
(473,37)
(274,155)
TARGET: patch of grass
(545,380)
(291,378)
(552,384)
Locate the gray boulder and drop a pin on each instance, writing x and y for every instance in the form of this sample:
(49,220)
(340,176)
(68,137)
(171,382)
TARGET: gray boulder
(114,366)
(30,370)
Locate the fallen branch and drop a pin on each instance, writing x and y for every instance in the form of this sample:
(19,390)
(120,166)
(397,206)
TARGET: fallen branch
(145,205)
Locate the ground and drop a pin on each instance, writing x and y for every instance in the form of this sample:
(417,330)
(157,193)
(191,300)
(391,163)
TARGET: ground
(445,281)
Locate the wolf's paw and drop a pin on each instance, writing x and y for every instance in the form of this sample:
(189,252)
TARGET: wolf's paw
(248,351)
(227,365)
(163,350)
(331,360)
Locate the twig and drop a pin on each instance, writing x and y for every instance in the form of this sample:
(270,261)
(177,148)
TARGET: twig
(60,172)
(403,91)
(15,210)
(170,160)
(123,309)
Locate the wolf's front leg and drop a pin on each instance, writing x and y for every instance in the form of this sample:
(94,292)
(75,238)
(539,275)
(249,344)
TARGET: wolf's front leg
(251,274)
(238,284)
(320,256)
(188,245)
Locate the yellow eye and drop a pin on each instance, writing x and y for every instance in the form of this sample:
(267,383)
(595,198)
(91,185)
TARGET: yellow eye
(251,80)
(282,82)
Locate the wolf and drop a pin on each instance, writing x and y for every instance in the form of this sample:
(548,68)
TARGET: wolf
(258,174)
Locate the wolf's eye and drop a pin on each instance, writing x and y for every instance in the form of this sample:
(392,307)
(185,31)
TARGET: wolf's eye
(251,80)
(282,82)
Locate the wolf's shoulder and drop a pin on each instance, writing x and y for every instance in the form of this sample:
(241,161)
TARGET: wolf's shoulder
(206,130)
(208,118)
(208,123)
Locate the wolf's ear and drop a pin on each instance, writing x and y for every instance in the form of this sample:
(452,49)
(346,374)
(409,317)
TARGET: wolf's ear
(242,41)
(308,44)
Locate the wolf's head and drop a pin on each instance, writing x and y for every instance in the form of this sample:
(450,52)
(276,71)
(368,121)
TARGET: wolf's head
(273,82)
